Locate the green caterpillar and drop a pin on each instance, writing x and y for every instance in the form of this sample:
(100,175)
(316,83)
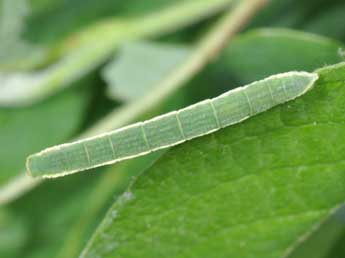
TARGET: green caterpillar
(172,128)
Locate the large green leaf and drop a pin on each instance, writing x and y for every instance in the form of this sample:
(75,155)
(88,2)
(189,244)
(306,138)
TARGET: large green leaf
(249,190)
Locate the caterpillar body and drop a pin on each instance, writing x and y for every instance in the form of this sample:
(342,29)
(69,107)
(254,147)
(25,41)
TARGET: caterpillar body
(172,128)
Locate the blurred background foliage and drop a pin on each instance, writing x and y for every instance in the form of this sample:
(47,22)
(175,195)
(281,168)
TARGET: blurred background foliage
(56,218)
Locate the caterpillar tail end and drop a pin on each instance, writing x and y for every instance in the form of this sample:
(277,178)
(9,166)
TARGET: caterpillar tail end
(28,166)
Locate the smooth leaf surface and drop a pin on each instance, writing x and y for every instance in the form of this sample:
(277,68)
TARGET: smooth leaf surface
(249,190)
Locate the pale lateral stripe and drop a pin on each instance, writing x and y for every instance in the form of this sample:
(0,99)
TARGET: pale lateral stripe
(309,79)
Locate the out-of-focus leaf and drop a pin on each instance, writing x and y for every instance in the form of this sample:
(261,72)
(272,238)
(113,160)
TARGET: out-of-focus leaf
(338,249)
(12,14)
(13,233)
(140,66)
(320,242)
(249,190)
(276,15)
(12,25)
(48,23)
(50,210)
(292,13)
(53,20)
(330,23)
(91,47)
(25,130)
(258,53)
